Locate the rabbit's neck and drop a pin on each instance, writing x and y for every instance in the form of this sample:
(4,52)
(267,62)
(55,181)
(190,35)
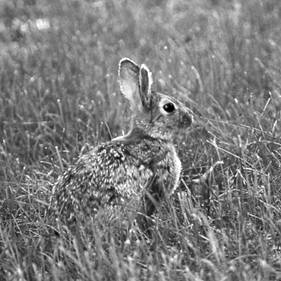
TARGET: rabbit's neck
(151,130)
(135,135)
(156,148)
(153,149)
(158,155)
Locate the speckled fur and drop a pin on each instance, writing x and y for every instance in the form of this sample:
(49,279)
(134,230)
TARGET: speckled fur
(116,176)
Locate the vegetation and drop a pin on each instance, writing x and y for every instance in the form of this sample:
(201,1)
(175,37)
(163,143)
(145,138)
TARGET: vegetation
(59,95)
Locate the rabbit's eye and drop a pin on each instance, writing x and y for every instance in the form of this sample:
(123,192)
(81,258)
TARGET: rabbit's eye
(169,107)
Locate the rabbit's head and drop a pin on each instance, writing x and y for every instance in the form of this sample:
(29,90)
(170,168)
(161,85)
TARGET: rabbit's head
(158,115)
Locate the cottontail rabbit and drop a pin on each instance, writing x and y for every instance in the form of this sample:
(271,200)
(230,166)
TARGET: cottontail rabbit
(131,173)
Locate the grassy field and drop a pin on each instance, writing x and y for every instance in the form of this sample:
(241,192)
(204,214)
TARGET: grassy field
(59,95)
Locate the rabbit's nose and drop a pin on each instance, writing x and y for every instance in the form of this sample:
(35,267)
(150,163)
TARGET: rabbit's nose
(186,120)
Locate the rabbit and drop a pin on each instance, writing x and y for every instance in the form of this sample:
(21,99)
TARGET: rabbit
(132,173)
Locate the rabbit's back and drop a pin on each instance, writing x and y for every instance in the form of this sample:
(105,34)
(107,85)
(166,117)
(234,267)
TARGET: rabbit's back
(110,174)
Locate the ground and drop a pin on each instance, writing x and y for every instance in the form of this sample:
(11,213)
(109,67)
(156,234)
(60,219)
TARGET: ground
(59,96)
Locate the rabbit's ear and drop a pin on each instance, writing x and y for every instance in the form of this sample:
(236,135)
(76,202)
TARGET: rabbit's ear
(129,82)
(145,82)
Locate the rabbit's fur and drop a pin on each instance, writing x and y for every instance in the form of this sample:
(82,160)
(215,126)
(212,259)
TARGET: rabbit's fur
(131,173)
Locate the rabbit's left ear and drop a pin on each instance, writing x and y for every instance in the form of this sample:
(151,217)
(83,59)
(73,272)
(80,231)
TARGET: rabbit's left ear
(145,82)
(128,74)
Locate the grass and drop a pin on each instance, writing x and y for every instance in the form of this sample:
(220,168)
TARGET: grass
(59,95)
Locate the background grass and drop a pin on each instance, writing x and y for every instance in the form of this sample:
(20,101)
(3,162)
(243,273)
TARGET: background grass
(59,94)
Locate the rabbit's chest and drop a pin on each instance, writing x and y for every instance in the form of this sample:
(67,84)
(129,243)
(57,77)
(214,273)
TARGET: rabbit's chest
(169,170)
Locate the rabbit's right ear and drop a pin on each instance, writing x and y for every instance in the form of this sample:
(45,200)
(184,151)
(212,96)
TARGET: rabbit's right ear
(129,82)
(145,82)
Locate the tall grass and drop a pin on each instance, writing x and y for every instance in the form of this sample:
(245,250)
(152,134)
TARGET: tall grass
(59,95)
